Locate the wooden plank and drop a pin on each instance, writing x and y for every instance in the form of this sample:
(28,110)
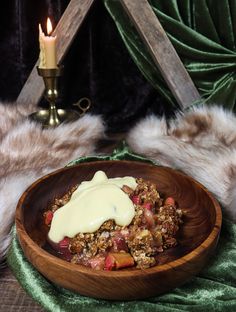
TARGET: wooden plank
(162,51)
(66,30)
(13,297)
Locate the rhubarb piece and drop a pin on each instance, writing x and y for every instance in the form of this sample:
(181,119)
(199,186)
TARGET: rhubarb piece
(110,262)
(48,215)
(136,199)
(64,243)
(63,248)
(149,218)
(123,259)
(119,243)
(169,201)
(128,190)
(147,205)
(116,260)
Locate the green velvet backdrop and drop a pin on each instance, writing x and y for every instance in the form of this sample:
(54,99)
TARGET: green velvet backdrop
(203,33)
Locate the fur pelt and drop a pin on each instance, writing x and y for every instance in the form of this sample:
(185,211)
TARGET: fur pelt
(200,142)
(28,152)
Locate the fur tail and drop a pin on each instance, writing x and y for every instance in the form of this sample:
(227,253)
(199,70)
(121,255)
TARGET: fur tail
(201,143)
(11,189)
(28,152)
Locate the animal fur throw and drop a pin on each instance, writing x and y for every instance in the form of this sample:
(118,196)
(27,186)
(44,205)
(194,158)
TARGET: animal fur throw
(201,143)
(27,152)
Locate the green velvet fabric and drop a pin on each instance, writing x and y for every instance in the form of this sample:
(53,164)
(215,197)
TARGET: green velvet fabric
(214,289)
(203,33)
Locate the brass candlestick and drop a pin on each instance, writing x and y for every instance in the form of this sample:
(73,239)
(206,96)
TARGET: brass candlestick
(52,116)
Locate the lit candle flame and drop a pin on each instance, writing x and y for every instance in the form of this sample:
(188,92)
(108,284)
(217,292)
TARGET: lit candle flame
(49,26)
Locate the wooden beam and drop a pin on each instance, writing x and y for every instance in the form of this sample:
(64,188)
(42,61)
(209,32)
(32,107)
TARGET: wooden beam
(162,51)
(66,30)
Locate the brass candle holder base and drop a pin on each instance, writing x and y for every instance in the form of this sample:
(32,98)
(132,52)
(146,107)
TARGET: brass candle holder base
(46,119)
(52,116)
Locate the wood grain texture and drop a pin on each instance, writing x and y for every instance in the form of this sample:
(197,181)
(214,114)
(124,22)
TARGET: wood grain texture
(65,31)
(197,237)
(13,297)
(162,51)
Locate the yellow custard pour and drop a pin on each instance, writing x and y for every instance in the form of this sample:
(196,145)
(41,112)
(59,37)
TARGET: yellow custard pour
(93,203)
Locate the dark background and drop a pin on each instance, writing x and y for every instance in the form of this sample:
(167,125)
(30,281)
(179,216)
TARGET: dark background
(97,65)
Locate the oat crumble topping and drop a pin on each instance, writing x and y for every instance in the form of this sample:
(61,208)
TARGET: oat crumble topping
(153,229)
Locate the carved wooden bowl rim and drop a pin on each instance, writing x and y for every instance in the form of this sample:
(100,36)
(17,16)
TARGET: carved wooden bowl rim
(80,268)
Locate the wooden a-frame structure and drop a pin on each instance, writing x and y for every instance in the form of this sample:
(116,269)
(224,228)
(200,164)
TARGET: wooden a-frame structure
(152,34)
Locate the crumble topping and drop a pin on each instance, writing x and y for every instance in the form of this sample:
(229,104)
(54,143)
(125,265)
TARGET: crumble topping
(153,229)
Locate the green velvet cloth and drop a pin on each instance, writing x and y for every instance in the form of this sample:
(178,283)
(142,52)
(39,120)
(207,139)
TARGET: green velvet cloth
(203,33)
(214,289)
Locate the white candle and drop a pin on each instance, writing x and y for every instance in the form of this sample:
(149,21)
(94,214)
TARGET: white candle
(47,56)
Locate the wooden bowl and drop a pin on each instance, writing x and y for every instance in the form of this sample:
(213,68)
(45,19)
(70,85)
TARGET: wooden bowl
(197,237)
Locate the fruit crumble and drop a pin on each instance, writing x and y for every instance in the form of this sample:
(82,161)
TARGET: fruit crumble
(153,229)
